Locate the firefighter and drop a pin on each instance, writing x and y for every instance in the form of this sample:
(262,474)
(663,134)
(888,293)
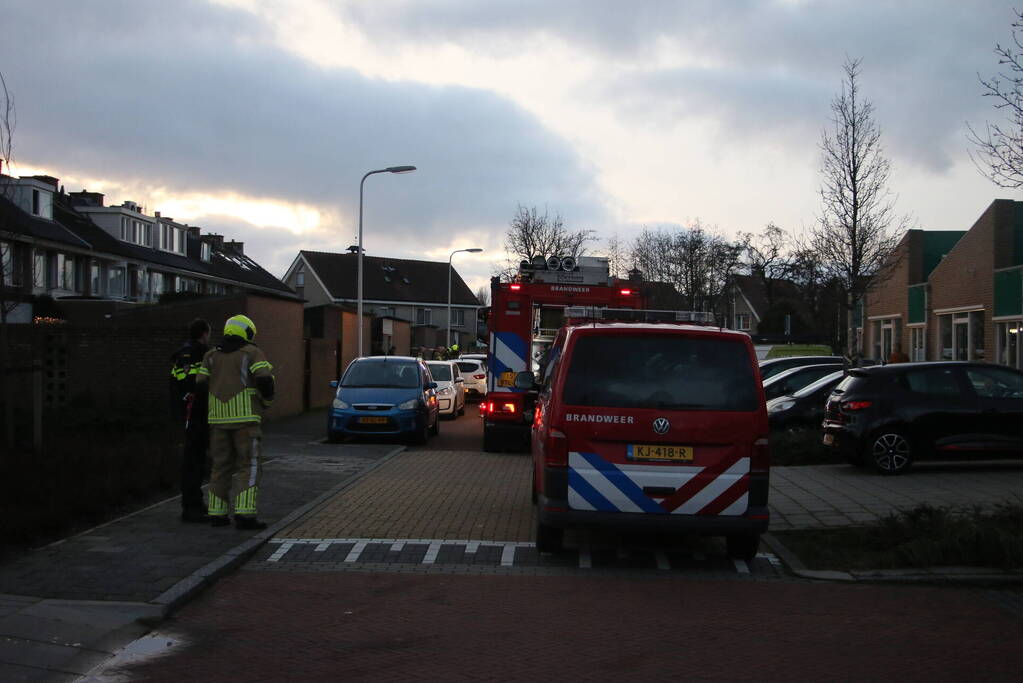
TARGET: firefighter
(189,408)
(240,384)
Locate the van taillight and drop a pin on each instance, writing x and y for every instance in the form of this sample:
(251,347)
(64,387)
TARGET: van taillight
(479,376)
(856,405)
(760,460)
(556,449)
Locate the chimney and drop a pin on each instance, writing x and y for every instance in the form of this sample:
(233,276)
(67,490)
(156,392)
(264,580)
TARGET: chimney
(216,241)
(193,230)
(238,247)
(86,198)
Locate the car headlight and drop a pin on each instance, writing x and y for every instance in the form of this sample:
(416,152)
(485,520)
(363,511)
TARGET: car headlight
(409,404)
(778,406)
(444,391)
(340,405)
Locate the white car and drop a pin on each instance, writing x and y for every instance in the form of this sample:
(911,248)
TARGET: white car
(450,391)
(474,372)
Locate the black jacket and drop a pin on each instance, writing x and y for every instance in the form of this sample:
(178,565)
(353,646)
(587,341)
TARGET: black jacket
(187,406)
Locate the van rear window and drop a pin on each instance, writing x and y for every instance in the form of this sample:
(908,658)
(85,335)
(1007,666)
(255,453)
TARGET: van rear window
(661,371)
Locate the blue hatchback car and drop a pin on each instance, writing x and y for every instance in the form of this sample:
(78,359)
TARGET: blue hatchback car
(386,395)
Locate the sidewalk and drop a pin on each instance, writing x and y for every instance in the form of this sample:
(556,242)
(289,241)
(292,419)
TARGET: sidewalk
(66,607)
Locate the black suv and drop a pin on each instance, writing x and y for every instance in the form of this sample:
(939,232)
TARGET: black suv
(889,416)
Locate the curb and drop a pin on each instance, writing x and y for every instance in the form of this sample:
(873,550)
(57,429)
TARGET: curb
(187,588)
(972,576)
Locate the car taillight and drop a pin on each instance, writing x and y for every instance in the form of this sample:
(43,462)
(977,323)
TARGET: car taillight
(556,449)
(856,405)
(760,458)
(479,376)
(498,407)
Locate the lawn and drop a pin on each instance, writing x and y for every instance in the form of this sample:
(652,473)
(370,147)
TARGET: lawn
(924,536)
(786,350)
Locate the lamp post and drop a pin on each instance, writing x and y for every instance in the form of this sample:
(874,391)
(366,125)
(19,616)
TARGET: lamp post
(358,313)
(474,250)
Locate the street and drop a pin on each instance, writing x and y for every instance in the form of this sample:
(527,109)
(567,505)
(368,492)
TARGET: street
(424,569)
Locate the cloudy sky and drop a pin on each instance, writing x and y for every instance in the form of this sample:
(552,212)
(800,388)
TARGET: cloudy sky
(257,119)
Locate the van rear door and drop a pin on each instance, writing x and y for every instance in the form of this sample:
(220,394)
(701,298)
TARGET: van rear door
(661,421)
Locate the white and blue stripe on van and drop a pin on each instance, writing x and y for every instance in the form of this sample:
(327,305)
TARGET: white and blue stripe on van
(598,485)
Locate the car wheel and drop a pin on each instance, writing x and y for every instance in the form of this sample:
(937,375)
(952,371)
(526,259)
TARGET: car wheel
(742,546)
(890,452)
(549,539)
(422,434)
(461,411)
(435,429)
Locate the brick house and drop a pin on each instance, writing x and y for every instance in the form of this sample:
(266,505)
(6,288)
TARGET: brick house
(954,295)
(759,306)
(394,290)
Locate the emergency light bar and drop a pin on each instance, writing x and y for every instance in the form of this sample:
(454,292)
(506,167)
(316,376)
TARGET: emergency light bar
(635,315)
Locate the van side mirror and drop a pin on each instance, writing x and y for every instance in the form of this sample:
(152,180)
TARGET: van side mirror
(333,384)
(525,380)
(431,385)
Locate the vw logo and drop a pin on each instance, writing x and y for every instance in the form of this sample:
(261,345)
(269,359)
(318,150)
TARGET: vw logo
(661,425)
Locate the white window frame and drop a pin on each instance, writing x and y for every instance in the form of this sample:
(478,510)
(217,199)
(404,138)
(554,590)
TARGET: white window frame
(960,317)
(740,318)
(205,252)
(1003,330)
(458,317)
(117,281)
(917,342)
(424,316)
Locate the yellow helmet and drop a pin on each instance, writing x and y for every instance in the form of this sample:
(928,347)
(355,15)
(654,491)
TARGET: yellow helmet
(240,326)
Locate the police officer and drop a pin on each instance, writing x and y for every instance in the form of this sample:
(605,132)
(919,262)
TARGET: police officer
(240,383)
(189,408)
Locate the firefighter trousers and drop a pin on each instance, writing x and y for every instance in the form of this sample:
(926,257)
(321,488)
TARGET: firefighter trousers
(237,466)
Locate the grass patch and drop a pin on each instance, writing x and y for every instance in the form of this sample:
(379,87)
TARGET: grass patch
(800,447)
(925,536)
(786,350)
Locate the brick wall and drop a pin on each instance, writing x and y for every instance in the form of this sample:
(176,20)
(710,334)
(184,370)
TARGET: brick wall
(889,296)
(965,276)
(322,369)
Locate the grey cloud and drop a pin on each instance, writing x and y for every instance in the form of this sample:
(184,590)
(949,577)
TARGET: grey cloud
(190,97)
(765,67)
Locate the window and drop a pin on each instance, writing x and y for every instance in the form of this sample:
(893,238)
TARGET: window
(424,316)
(457,317)
(300,278)
(382,374)
(65,272)
(12,273)
(94,279)
(995,382)
(1008,337)
(933,382)
(917,343)
(156,285)
(39,268)
(124,228)
(742,321)
(661,372)
(962,336)
(204,251)
(115,281)
(179,241)
(441,371)
(37,205)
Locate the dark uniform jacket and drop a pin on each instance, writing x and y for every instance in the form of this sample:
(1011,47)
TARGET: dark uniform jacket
(188,406)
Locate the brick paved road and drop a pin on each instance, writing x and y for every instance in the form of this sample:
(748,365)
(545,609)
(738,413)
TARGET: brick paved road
(384,627)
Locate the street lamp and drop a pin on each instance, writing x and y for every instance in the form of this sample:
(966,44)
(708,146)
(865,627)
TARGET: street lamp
(474,250)
(358,313)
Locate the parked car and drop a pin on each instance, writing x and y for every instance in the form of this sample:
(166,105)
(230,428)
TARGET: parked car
(474,356)
(771,367)
(804,408)
(450,387)
(792,380)
(384,395)
(474,372)
(889,417)
(650,426)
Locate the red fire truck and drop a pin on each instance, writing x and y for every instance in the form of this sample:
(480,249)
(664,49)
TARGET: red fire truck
(525,316)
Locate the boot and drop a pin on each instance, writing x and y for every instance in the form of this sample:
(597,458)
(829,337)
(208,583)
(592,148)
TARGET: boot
(248,523)
(220,520)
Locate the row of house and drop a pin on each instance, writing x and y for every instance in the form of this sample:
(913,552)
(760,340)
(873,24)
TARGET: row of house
(952,294)
(98,260)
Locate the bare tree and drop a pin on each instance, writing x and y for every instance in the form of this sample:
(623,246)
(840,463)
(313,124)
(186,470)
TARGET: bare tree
(617,258)
(531,234)
(857,229)
(8,261)
(483,295)
(766,256)
(696,262)
(999,153)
